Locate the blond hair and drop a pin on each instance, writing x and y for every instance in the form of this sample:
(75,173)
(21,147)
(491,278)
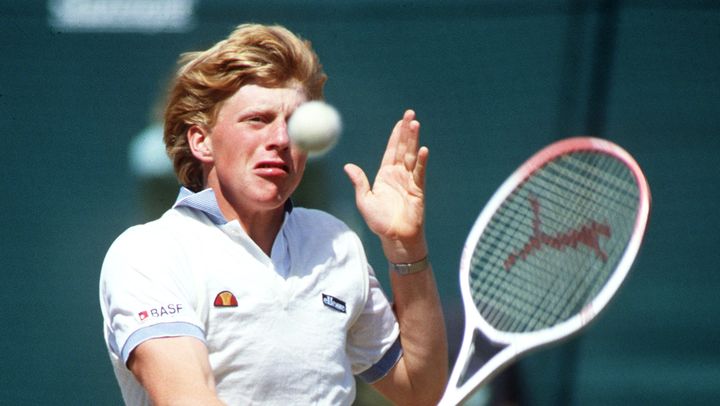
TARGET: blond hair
(269,56)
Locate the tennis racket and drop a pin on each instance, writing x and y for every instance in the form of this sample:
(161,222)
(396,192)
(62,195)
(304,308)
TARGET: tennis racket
(547,253)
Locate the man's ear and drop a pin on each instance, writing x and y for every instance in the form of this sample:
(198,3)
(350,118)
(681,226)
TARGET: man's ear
(200,143)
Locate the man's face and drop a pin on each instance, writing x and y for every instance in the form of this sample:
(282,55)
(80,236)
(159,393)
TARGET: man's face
(256,167)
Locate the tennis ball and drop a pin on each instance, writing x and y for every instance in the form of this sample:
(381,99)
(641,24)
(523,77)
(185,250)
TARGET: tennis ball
(315,127)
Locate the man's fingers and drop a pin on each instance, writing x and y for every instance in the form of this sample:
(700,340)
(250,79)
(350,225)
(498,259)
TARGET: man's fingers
(358,179)
(420,166)
(407,140)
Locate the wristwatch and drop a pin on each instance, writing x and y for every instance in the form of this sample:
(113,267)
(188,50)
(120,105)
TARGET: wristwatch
(412,267)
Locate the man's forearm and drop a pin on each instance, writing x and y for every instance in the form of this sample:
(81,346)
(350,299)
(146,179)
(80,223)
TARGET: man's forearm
(422,333)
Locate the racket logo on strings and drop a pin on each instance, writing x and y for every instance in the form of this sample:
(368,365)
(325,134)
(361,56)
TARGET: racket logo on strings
(589,235)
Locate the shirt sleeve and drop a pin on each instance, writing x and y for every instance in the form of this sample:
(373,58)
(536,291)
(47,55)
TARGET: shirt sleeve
(145,293)
(374,340)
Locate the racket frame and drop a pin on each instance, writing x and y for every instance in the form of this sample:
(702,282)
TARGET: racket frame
(516,344)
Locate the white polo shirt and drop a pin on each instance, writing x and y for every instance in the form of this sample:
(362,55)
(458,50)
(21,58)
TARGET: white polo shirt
(291,328)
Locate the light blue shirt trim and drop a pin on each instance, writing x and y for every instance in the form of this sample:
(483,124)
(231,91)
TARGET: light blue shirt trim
(386,363)
(205,202)
(172,329)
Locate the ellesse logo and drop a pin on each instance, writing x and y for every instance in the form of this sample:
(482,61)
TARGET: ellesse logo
(225,299)
(334,303)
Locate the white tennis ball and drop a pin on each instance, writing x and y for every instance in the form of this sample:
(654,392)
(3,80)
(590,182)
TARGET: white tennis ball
(315,127)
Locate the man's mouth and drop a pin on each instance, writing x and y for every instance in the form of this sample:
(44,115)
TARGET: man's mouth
(271,166)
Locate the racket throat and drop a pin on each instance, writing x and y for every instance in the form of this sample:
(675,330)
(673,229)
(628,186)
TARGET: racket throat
(478,361)
(481,350)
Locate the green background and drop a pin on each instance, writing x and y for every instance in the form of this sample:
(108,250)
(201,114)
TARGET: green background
(491,81)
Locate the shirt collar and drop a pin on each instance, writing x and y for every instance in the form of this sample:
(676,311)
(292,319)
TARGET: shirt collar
(205,201)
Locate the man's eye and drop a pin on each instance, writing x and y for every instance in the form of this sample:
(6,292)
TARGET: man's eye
(260,119)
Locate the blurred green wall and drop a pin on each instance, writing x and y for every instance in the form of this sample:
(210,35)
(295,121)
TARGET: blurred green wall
(492,82)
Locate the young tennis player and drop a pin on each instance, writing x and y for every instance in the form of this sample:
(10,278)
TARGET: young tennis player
(236,297)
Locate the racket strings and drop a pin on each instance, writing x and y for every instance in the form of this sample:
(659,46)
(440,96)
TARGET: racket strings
(600,180)
(585,284)
(578,291)
(544,254)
